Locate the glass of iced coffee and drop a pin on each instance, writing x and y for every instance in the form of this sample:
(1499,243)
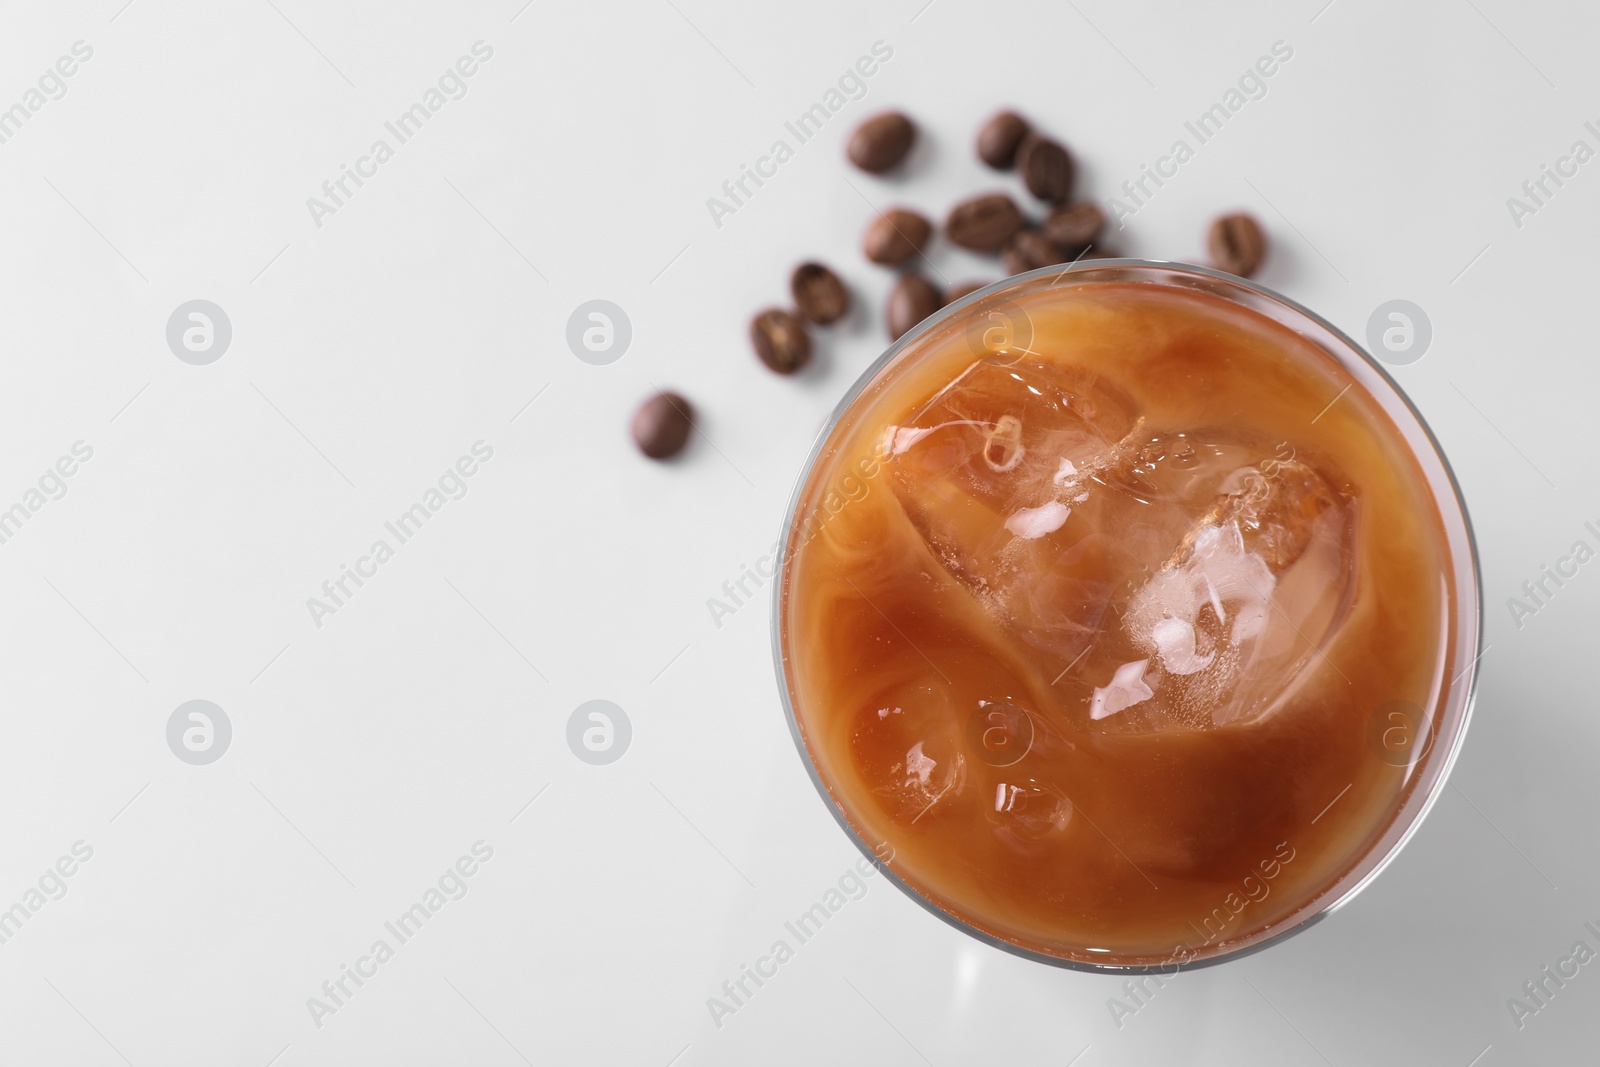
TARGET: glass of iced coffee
(1128,616)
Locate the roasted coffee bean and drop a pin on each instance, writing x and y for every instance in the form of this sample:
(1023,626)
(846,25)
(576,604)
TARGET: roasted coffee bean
(1029,250)
(1046,168)
(1237,244)
(1075,227)
(661,425)
(881,142)
(912,299)
(895,236)
(999,137)
(780,339)
(819,293)
(984,223)
(961,289)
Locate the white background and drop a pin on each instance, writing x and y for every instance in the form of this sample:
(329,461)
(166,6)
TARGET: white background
(369,353)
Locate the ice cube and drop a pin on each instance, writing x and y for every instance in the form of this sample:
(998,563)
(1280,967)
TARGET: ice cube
(1176,642)
(989,473)
(1221,562)
(1254,589)
(909,749)
(1126,688)
(1027,813)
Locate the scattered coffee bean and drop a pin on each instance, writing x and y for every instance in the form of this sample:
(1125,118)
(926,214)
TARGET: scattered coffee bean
(661,425)
(1075,226)
(984,223)
(912,299)
(881,142)
(961,289)
(895,236)
(999,137)
(1046,167)
(988,223)
(1237,244)
(1029,250)
(819,293)
(780,340)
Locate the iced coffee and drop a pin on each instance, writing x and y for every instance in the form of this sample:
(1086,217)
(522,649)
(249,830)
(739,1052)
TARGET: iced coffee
(1126,614)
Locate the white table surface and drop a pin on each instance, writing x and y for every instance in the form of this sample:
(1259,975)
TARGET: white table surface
(370,352)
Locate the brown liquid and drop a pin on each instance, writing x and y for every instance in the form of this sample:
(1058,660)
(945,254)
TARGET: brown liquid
(1093,635)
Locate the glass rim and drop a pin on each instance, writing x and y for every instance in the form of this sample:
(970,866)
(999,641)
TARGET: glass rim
(1462,691)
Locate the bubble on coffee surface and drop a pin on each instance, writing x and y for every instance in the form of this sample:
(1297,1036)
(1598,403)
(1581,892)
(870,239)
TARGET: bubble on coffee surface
(1000,733)
(1182,578)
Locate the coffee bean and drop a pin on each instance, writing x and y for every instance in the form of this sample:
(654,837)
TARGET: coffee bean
(661,425)
(895,236)
(1047,168)
(819,293)
(881,142)
(984,223)
(912,299)
(961,289)
(999,137)
(1075,227)
(1029,250)
(780,340)
(1237,244)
